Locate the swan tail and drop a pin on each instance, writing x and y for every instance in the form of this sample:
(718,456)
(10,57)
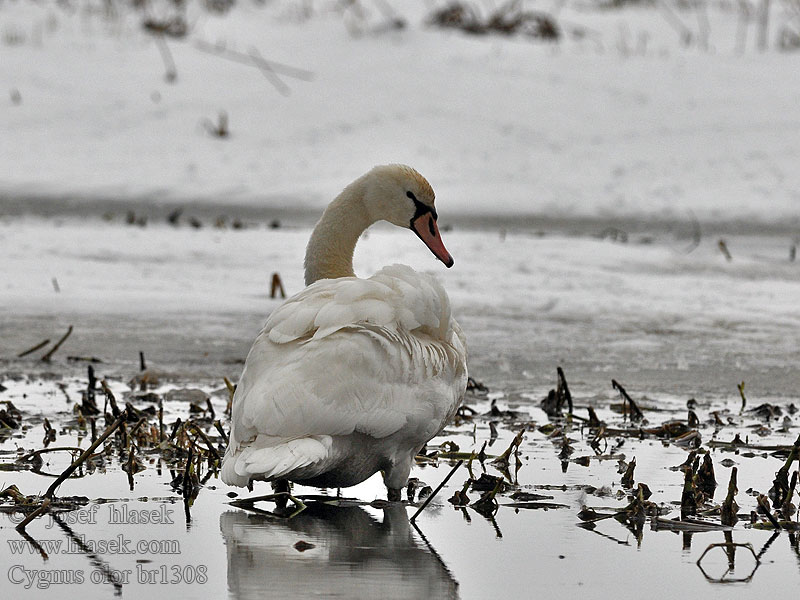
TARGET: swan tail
(268,458)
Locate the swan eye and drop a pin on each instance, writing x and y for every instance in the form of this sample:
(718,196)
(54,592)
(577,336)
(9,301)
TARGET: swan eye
(421,208)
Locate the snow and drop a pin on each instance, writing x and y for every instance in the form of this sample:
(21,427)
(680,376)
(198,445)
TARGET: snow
(624,122)
(645,312)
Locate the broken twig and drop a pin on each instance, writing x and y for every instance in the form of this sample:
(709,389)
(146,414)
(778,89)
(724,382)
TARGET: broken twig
(436,491)
(46,357)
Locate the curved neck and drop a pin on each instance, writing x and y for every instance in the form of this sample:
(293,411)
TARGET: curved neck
(330,250)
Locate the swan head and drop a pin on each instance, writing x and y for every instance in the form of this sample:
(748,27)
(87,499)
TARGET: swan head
(400,195)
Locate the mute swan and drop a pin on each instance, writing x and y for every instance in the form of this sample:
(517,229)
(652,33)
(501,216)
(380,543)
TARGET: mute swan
(352,376)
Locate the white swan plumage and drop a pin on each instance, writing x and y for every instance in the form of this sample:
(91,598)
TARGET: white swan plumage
(352,376)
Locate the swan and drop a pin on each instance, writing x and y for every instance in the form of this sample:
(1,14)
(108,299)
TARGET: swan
(352,376)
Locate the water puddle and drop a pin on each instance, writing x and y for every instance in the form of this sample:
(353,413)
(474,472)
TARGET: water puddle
(618,496)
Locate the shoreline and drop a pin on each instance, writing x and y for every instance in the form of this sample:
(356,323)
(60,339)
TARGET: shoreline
(274,211)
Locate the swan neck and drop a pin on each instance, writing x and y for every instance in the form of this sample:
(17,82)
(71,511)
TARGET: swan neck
(329,254)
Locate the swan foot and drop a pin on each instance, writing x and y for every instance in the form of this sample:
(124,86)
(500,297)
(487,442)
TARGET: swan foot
(281,486)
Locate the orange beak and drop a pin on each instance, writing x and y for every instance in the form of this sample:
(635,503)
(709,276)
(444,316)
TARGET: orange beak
(425,227)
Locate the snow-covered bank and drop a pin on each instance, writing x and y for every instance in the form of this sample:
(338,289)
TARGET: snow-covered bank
(622,122)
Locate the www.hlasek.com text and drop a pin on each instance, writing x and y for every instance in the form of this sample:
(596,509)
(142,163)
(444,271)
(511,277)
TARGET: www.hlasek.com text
(80,544)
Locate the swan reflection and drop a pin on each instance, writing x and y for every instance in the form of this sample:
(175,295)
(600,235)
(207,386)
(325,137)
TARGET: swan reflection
(354,555)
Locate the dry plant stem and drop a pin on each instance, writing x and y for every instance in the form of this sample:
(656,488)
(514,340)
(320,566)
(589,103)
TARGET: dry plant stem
(627,478)
(63,389)
(763,504)
(221,431)
(45,505)
(187,474)
(210,408)
(13,492)
(787,507)
(688,502)
(589,515)
(170,72)
(688,525)
(742,445)
(176,427)
(34,348)
(86,454)
(456,456)
(469,465)
(563,388)
(230,386)
(635,413)
(706,479)
(160,420)
(269,72)
(723,247)
(276,287)
(130,461)
(247,59)
(729,507)
(437,490)
(91,385)
(740,386)
(488,498)
(46,357)
(30,455)
(515,443)
(231,392)
(110,397)
(781,482)
(136,427)
(123,433)
(204,438)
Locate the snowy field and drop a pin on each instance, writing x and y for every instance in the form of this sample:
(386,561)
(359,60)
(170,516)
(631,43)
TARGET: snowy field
(623,203)
(619,118)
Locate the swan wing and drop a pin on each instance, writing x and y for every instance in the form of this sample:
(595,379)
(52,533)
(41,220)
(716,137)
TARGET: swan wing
(374,356)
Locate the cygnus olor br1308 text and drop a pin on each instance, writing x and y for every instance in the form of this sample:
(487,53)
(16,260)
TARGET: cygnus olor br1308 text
(352,376)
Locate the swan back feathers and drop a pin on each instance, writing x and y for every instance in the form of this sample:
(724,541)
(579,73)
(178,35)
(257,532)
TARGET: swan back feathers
(396,298)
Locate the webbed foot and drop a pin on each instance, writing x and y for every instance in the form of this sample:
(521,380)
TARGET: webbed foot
(281,486)
(393,495)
